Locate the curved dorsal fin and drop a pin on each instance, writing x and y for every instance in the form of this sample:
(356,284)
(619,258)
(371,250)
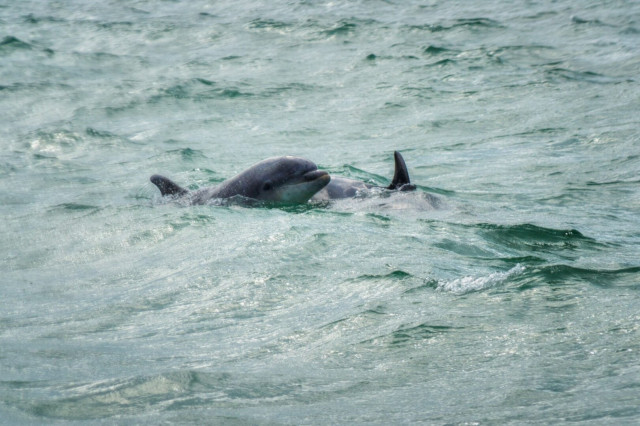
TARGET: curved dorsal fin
(401,175)
(167,186)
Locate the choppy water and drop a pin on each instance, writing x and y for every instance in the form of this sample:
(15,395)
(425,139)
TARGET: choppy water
(506,290)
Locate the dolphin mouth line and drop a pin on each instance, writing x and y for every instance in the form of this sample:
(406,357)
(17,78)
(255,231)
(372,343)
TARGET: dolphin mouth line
(315,175)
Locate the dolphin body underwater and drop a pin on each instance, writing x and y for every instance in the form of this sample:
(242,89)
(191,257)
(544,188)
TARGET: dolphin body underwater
(340,187)
(283,179)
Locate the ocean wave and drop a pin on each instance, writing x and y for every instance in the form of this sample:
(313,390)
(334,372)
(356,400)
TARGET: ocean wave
(202,89)
(113,397)
(614,182)
(409,334)
(35,87)
(270,25)
(10,44)
(527,230)
(559,73)
(33,19)
(581,21)
(464,23)
(76,207)
(442,63)
(561,273)
(171,390)
(394,275)
(531,237)
(189,90)
(185,154)
(13,43)
(341,28)
(437,50)
(470,284)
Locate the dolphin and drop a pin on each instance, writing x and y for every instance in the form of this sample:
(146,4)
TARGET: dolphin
(340,187)
(281,179)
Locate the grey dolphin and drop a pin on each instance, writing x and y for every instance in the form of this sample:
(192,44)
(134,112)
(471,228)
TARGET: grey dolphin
(283,179)
(340,187)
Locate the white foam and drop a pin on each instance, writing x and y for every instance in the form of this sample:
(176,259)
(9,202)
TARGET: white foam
(468,284)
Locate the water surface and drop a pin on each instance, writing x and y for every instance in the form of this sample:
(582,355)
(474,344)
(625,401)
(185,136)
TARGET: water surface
(504,290)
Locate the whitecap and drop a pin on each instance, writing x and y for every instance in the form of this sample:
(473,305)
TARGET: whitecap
(469,283)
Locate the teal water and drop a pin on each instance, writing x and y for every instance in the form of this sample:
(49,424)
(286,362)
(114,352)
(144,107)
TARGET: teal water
(505,290)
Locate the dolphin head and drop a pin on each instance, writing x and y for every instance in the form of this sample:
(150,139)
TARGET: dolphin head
(282,179)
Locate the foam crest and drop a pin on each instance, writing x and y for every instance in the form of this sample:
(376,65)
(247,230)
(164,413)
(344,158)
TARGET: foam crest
(469,284)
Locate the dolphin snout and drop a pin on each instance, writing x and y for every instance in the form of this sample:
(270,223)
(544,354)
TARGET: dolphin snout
(316,174)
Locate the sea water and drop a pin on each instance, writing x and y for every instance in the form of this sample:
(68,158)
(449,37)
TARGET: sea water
(506,289)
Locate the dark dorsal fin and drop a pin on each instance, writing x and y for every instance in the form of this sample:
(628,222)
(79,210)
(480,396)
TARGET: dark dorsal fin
(401,175)
(167,186)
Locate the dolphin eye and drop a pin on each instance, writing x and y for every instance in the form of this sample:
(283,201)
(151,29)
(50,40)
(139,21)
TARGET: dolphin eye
(267,186)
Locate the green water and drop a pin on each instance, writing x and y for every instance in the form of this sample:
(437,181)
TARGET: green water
(504,290)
